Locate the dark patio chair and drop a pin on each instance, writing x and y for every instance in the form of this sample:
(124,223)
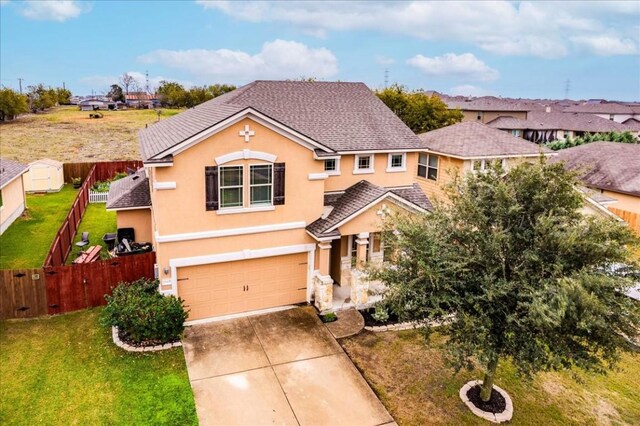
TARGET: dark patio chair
(85,240)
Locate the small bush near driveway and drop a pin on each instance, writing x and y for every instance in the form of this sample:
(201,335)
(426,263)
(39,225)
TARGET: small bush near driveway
(144,316)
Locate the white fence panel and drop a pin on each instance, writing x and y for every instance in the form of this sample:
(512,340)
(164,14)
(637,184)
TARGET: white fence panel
(98,197)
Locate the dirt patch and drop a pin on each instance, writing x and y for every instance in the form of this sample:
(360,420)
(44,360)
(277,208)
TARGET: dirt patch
(606,413)
(496,404)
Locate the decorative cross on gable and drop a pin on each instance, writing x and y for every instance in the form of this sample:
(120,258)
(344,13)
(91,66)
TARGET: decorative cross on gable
(246,133)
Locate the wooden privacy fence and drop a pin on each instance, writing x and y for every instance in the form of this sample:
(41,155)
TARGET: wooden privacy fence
(23,293)
(63,241)
(104,169)
(27,293)
(633,219)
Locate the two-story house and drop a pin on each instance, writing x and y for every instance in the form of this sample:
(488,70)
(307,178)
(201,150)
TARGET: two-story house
(271,194)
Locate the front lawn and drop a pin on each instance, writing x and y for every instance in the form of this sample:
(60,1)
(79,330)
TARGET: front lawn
(66,370)
(97,221)
(411,380)
(27,241)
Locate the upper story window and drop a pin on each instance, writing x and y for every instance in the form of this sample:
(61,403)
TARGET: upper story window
(363,164)
(428,166)
(397,163)
(231,186)
(483,165)
(261,185)
(332,166)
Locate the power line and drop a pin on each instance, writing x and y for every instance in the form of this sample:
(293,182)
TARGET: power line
(567,87)
(386,78)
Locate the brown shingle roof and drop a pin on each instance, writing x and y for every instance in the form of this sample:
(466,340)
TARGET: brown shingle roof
(130,192)
(488,103)
(512,123)
(9,170)
(358,196)
(632,124)
(581,122)
(471,140)
(601,108)
(607,165)
(340,116)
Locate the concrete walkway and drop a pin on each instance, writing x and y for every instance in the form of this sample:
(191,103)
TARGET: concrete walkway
(283,368)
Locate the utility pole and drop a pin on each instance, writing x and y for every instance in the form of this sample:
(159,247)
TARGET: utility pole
(20,82)
(146,74)
(386,78)
(567,87)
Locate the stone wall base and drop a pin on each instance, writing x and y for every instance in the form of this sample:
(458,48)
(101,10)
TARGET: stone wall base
(323,292)
(359,288)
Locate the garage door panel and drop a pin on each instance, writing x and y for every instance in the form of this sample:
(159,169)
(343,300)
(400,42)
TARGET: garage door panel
(253,284)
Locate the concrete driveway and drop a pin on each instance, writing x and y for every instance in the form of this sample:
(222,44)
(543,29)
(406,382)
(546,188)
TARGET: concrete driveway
(282,368)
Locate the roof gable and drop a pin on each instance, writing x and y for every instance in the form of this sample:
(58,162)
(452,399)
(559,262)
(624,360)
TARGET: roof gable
(9,170)
(338,116)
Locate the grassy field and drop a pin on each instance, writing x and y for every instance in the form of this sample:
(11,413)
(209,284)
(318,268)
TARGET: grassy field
(98,221)
(26,243)
(67,134)
(65,370)
(418,389)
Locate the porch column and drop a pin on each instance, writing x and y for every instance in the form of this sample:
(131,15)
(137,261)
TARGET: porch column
(322,282)
(361,254)
(324,258)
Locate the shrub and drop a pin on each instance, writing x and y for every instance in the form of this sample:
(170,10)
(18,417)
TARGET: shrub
(381,313)
(143,315)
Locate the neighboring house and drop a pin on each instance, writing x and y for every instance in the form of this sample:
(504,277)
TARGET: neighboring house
(487,108)
(613,111)
(272,194)
(131,199)
(547,126)
(44,175)
(612,170)
(96,104)
(12,197)
(467,147)
(141,100)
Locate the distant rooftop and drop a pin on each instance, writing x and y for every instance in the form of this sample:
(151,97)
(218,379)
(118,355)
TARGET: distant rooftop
(9,170)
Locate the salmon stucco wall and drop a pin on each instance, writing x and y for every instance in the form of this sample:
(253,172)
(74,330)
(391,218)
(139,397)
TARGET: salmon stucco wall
(182,210)
(372,220)
(139,220)
(626,202)
(13,203)
(380,176)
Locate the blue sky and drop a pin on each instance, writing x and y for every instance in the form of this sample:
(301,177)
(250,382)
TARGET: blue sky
(517,49)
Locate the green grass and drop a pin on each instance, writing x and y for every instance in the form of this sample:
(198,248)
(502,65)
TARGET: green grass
(65,370)
(27,241)
(67,134)
(98,221)
(417,388)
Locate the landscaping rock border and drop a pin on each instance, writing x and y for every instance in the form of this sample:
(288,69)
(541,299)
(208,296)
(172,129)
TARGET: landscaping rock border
(505,416)
(131,348)
(393,327)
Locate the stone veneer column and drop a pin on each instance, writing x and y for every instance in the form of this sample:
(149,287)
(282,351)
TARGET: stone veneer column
(322,281)
(359,283)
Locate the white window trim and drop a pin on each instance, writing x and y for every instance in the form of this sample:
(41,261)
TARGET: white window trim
(483,164)
(220,188)
(252,209)
(335,172)
(254,206)
(370,170)
(402,168)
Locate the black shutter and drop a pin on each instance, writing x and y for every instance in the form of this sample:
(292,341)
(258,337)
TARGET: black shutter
(278,184)
(211,187)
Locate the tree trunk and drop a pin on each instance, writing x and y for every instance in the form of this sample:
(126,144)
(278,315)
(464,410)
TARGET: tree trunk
(487,383)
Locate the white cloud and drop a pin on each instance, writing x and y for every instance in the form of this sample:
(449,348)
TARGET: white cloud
(604,45)
(103,82)
(52,10)
(278,59)
(465,65)
(541,29)
(468,90)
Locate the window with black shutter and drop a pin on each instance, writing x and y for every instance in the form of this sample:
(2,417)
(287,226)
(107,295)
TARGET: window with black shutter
(211,187)
(278,184)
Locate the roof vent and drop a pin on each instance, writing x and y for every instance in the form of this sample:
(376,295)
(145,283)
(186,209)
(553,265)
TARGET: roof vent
(135,177)
(547,109)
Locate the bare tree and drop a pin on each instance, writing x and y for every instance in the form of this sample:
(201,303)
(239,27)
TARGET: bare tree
(127,81)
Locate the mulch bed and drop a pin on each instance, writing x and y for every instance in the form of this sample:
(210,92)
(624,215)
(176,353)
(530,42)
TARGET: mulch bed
(369,321)
(495,405)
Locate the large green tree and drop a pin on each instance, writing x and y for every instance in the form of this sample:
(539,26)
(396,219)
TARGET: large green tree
(116,94)
(12,104)
(419,111)
(515,271)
